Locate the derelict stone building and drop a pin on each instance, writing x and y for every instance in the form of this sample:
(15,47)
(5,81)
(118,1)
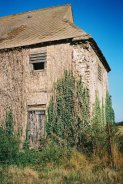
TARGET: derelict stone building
(35,49)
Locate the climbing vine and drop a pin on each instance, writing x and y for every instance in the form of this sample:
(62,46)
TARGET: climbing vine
(69,120)
(9,141)
(110,116)
(103,129)
(68,113)
(98,133)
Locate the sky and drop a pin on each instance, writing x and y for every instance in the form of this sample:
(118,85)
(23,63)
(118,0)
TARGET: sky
(103,20)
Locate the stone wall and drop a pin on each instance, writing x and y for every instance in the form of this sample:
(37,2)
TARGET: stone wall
(11,85)
(23,88)
(86,64)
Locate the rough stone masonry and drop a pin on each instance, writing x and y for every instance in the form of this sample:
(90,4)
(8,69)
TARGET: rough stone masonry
(34,58)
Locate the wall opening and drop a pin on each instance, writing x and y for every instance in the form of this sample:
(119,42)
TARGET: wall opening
(38,66)
(38,60)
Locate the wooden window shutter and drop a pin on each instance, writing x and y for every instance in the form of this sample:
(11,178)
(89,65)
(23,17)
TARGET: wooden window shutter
(100,73)
(38,57)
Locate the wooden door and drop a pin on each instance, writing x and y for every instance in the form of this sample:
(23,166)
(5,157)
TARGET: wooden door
(36,121)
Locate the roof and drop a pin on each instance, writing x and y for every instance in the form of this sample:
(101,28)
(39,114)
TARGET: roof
(40,26)
(49,24)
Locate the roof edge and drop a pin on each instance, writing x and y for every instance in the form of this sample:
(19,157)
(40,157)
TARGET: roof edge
(100,54)
(39,9)
(68,15)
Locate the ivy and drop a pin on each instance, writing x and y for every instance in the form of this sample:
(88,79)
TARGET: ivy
(9,123)
(110,127)
(110,117)
(69,120)
(9,142)
(68,113)
(98,133)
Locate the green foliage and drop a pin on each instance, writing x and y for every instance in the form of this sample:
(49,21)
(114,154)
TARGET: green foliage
(68,112)
(110,123)
(98,132)
(51,153)
(9,143)
(10,153)
(120,143)
(97,115)
(69,121)
(51,119)
(9,123)
(103,129)
(110,117)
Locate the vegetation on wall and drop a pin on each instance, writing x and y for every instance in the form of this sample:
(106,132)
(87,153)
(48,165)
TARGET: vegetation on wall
(79,147)
(9,142)
(103,129)
(110,116)
(69,120)
(98,133)
(68,113)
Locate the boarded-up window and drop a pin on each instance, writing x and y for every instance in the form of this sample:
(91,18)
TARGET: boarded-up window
(36,120)
(100,77)
(38,60)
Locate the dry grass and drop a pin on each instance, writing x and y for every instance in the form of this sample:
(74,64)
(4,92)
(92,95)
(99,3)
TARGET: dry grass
(15,175)
(120,130)
(117,157)
(76,170)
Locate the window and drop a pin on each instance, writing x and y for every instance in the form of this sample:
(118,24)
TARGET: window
(36,121)
(100,77)
(38,60)
(38,66)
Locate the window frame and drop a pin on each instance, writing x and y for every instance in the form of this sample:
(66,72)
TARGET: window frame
(38,57)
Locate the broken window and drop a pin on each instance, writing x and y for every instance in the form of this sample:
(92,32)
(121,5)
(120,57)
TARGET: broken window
(38,60)
(36,120)
(100,73)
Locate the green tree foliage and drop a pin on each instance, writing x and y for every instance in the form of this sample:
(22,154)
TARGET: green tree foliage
(68,113)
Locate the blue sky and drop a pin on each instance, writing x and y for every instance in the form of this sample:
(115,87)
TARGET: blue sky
(103,19)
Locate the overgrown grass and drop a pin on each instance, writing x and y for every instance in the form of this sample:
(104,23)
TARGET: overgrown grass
(71,168)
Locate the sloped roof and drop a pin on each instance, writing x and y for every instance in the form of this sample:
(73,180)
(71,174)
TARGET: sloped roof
(49,24)
(40,26)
